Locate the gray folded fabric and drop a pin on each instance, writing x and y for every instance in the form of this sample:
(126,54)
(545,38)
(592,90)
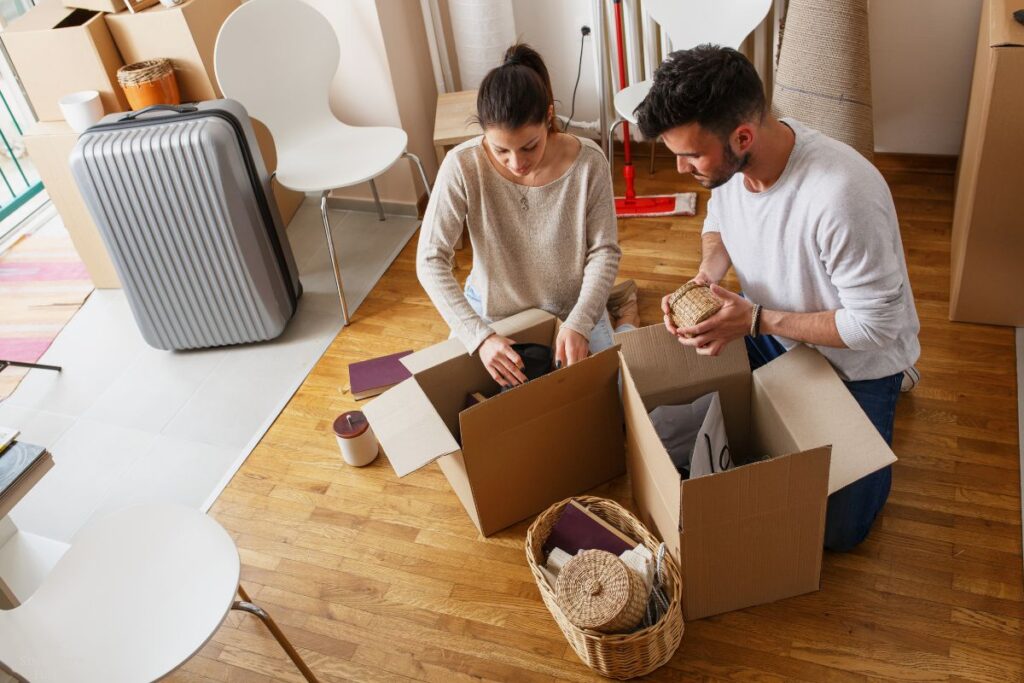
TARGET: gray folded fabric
(692,428)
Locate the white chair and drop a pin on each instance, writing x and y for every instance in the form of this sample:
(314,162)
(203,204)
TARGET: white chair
(278,57)
(688,24)
(137,594)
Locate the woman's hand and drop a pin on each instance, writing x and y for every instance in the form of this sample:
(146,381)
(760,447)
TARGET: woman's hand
(570,347)
(501,361)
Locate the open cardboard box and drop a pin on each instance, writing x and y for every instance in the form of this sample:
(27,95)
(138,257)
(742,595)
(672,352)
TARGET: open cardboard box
(521,451)
(57,51)
(752,534)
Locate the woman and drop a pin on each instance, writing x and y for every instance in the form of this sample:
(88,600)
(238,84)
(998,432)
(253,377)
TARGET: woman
(540,212)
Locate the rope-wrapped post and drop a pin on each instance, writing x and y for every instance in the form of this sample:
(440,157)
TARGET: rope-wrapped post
(824,72)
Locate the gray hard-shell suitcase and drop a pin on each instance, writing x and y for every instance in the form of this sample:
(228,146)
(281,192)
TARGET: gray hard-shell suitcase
(183,202)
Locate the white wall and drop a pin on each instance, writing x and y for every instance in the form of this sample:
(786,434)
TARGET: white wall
(922,54)
(553,29)
(922,58)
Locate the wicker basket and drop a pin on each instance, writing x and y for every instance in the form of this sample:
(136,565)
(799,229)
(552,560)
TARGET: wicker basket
(149,82)
(692,303)
(596,590)
(621,656)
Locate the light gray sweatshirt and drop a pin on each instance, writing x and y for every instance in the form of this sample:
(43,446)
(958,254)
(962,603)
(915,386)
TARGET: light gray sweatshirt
(561,254)
(825,237)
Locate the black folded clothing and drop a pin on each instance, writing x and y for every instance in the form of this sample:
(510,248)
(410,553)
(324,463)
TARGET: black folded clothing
(537,361)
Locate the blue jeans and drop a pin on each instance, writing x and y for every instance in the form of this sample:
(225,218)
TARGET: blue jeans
(852,509)
(600,336)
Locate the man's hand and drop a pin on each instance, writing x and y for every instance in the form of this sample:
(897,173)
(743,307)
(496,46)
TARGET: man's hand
(730,322)
(570,347)
(501,361)
(701,278)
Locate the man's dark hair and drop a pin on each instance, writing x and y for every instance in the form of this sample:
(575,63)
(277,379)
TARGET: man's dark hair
(716,87)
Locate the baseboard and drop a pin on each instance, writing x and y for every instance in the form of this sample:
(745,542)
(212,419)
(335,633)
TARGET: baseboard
(368,205)
(1020,420)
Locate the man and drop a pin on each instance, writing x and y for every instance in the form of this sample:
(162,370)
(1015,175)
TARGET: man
(810,228)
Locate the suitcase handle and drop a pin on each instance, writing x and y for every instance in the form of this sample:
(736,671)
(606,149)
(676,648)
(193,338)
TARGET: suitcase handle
(176,108)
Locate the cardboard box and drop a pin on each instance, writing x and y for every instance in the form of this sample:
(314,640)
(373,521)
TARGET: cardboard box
(110,6)
(288,201)
(49,146)
(517,453)
(752,534)
(988,243)
(56,51)
(186,34)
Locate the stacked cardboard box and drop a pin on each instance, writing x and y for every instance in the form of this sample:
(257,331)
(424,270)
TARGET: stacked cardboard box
(185,34)
(57,50)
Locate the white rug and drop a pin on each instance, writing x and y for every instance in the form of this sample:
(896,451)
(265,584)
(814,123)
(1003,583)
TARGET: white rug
(127,423)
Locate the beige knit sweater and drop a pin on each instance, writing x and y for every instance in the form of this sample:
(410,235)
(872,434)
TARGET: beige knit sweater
(561,254)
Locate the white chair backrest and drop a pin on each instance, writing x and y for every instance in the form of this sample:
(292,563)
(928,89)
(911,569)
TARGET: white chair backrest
(694,22)
(278,57)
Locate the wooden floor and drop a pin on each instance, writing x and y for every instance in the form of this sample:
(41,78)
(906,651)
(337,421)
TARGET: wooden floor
(380,579)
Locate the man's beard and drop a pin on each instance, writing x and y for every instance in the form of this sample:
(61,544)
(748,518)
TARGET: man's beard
(731,165)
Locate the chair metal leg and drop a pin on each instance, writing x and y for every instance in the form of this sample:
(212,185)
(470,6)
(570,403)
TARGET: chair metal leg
(334,255)
(376,200)
(423,174)
(244,605)
(611,138)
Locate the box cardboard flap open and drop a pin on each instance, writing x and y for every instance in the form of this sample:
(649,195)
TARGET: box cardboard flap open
(1004,29)
(819,410)
(533,325)
(667,373)
(408,428)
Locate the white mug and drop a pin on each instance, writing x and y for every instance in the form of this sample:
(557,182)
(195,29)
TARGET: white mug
(81,109)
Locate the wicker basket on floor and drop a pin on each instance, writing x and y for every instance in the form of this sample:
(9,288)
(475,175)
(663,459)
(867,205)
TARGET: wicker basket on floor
(623,655)
(692,304)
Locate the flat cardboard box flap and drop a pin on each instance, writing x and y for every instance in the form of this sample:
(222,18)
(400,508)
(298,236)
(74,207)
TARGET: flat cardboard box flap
(408,428)
(817,410)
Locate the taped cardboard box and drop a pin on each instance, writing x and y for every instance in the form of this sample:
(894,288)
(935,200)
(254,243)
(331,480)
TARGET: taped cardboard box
(515,454)
(56,51)
(752,534)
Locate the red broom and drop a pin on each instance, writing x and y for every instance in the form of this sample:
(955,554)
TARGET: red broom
(651,205)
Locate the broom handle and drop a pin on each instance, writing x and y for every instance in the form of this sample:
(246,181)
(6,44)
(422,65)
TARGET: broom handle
(627,171)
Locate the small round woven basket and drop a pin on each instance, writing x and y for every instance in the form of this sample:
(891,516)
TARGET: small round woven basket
(621,655)
(149,82)
(692,304)
(597,591)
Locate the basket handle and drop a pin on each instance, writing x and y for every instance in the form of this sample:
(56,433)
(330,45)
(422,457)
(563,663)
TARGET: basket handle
(176,108)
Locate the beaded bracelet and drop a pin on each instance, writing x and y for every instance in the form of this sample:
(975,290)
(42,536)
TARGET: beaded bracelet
(755,321)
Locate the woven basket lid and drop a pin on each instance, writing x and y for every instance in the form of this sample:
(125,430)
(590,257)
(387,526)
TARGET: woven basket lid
(596,591)
(692,304)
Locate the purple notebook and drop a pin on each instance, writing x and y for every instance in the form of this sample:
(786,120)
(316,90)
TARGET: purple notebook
(375,376)
(578,529)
